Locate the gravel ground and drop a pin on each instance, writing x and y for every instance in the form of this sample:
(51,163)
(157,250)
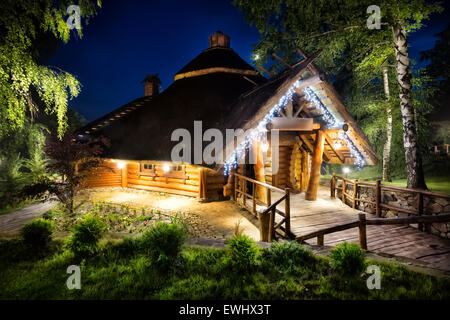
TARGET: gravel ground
(214,220)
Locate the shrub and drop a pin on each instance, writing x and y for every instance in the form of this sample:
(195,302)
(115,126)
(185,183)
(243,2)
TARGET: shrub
(86,235)
(348,258)
(163,243)
(37,233)
(287,255)
(242,253)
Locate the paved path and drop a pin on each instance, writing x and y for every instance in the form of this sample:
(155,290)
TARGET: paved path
(14,221)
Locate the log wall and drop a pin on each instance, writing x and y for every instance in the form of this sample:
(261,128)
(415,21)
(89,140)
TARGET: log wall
(191,186)
(103,177)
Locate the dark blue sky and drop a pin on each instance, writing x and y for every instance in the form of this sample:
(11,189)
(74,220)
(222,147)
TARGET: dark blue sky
(129,39)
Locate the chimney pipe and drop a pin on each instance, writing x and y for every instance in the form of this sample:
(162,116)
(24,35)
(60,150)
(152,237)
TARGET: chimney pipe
(219,39)
(151,85)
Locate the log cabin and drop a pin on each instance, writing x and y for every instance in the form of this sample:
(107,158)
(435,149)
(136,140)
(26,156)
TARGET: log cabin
(223,91)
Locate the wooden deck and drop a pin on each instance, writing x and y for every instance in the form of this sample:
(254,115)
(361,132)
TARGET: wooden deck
(399,240)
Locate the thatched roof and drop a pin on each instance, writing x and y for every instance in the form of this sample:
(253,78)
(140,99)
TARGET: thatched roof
(223,91)
(142,129)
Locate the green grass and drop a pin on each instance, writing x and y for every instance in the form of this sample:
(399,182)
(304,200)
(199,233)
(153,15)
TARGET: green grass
(121,270)
(436,184)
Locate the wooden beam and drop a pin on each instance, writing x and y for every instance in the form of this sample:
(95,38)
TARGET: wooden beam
(300,108)
(261,68)
(289,109)
(308,144)
(330,143)
(311,193)
(281,60)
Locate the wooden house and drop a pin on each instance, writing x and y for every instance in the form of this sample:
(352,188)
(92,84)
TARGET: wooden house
(223,91)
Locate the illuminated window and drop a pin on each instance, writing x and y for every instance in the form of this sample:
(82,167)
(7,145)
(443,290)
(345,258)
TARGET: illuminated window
(147,169)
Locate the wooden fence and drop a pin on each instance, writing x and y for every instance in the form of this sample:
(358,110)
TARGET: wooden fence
(362,222)
(379,188)
(267,217)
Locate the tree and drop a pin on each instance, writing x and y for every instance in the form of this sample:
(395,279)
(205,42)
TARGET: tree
(22,23)
(72,161)
(337,27)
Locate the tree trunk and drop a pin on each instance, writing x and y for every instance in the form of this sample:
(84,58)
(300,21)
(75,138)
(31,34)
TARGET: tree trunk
(388,142)
(410,139)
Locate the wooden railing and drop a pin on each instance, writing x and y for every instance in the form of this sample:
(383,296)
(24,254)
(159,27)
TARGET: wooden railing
(379,188)
(267,217)
(362,222)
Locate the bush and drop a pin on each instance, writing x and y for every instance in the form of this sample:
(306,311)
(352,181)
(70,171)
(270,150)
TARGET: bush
(37,233)
(348,258)
(287,255)
(242,253)
(86,235)
(163,243)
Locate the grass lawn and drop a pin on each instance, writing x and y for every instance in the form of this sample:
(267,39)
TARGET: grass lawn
(122,270)
(436,184)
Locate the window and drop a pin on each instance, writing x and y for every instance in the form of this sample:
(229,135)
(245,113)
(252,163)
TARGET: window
(147,169)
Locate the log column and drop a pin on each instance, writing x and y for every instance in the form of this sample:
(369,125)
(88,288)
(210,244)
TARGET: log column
(313,185)
(124,175)
(261,192)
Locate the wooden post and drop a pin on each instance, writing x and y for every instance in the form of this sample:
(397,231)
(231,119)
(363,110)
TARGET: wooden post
(259,170)
(264,221)
(124,176)
(343,191)
(333,186)
(420,209)
(244,191)
(271,224)
(362,230)
(311,193)
(269,198)
(355,186)
(320,240)
(287,211)
(235,188)
(378,198)
(254,198)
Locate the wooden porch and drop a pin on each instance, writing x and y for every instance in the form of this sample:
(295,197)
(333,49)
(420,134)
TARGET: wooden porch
(399,240)
(307,217)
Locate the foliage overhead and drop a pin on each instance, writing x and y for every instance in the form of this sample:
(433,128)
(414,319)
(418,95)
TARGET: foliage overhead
(24,84)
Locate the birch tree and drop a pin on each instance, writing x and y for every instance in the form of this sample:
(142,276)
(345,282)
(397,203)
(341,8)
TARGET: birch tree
(336,27)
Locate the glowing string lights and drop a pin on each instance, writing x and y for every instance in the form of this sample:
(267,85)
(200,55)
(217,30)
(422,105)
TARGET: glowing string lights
(259,132)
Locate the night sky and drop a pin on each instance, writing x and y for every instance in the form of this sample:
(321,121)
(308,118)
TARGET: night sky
(129,39)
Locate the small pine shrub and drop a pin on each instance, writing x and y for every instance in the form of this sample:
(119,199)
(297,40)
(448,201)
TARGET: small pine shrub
(86,235)
(163,243)
(348,258)
(37,233)
(287,255)
(242,253)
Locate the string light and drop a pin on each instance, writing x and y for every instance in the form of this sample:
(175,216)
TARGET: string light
(259,132)
(330,120)
(359,159)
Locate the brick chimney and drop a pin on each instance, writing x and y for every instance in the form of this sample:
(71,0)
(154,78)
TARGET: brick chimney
(151,85)
(219,39)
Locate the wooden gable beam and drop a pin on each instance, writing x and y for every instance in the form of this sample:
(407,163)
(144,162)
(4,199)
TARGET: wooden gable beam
(330,143)
(281,60)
